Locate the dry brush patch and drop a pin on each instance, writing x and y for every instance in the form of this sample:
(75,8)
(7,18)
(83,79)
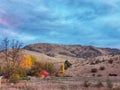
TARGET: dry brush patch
(63,83)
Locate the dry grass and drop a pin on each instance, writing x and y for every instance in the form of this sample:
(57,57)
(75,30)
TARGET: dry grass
(59,84)
(79,68)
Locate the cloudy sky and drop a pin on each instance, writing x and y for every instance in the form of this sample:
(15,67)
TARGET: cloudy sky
(85,22)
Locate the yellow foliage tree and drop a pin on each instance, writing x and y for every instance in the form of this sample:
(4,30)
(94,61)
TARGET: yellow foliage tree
(63,68)
(29,61)
(26,61)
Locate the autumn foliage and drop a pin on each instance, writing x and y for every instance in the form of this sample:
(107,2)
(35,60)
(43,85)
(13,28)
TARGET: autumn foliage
(26,61)
(63,68)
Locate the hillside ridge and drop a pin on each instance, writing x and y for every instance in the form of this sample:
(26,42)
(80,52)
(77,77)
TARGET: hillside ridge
(77,51)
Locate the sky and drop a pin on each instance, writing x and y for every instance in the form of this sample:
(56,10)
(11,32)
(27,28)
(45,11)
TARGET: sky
(84,22)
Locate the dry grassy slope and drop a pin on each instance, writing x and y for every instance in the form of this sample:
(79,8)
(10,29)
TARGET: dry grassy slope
(76,51)
(57,54)
(56,59)
(41,57)
(83,68)
(76,55)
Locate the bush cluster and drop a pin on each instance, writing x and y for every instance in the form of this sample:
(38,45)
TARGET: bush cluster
(14,74)
(102,68)
(86,84)
(110,61)
(39,66)
(94,70)
(14,78)
(99,84)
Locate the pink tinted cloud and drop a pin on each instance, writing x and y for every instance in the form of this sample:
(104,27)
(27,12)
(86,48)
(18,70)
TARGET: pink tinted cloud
(4,22)
(10,21)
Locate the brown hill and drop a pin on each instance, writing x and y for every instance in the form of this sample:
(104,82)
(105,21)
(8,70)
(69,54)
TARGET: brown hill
(76,51)
(86,60)
(102,66)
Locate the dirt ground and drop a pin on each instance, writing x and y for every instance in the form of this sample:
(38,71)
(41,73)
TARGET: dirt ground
(65,83)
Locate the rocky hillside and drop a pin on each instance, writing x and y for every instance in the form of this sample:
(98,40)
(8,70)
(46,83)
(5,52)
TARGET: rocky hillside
(76,51)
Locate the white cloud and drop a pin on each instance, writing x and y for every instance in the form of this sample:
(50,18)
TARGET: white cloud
(27,38)
(23,37)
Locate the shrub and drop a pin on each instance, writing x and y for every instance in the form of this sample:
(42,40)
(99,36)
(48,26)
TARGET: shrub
(102,68)
(112,74)
(99,75)
(51,54)
(49,67)
(86,84)
(97,61)
(93,74)
(39,66)
(8,71)
(109,84)
(92,63)
(14,78)
(67,64)
(99,84)
(94,70)
(1,70)
(22,73)
(35,69)
(33,59)
(110,61)
(63,87)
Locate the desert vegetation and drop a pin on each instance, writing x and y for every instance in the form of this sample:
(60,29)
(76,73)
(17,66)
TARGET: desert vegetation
(11,56)
(23,69)
(16,66)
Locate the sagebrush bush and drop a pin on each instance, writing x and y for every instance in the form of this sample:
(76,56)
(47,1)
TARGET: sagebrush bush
(102,68)
(14,78)
(99,75)
(8,71)
(94,70)
(113,74)
(99,84)
(22,72)
(39,66)
(1,70)
(67,64)
(35,69)
(49,67)
(33,59)
(109,84)
(110,61)
(86,84)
